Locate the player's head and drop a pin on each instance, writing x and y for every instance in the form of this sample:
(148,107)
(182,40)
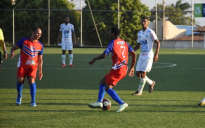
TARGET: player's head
(36,33)
(66,20)
(144,22)
(114,33)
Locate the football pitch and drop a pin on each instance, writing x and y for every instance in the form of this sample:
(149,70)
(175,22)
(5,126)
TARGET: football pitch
(63,93)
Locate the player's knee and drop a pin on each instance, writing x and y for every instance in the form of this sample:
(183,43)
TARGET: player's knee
(20,80)
(31,80)
(138,74)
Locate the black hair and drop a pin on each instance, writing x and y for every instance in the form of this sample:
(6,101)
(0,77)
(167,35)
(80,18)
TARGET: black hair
(116,31)
(144,17)
(35,28)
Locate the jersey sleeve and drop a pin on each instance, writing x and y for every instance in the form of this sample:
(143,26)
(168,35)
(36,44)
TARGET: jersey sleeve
(20,43)
(109,48)
(1,35)
(72,29)
(153,36)
(41,52)
(60,28)
(130,49)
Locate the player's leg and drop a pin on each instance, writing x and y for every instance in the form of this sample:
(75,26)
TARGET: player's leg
(31,81)
(19,88)
(149,81)
(19,85)
(32,90)
(70,50)
(63,46)
(101,94)
(138,74)
(115,97)
(70,58)
(112,79)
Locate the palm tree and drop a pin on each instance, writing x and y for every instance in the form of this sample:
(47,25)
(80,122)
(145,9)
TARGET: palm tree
(182,6)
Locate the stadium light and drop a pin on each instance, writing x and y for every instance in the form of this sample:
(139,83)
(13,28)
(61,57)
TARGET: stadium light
(13,2)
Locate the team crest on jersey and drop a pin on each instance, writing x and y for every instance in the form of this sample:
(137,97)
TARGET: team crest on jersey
(32,48)
(120,42)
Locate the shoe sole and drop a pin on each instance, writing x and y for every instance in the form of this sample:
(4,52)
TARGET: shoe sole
(151,87)
(136,94)
(91,106)
(123,108)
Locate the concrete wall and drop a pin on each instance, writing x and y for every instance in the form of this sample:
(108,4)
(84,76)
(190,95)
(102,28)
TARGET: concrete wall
(170,30)
(182,44)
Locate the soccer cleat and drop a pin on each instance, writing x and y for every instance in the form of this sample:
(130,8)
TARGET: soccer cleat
(137,93)
(71,66)
(151,87)
(202,102)
(122,107)
(96,105)
(63,65)
(33,104)
(18,100)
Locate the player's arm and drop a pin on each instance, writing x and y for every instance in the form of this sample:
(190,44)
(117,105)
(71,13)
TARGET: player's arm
(155,59)
(12,51)
(59,37)
(134,56)
(40,65)
(97,58)
(74,37)
(137,46)
(3,46)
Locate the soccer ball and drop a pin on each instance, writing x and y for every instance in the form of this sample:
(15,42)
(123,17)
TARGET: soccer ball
(106,104)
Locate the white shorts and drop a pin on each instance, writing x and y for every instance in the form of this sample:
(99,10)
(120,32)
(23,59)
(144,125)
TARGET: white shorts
(67,46)
(144,64)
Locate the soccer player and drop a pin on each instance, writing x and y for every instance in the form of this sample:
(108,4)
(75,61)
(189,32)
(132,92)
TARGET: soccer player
(120,50)
(30,60)
(67,36)
(3,46)
(202,102)
(146,37)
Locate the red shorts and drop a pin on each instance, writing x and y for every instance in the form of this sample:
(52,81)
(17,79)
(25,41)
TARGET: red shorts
(21,72)
(114,76)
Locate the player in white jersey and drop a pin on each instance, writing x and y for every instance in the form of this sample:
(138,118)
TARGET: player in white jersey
(67,36)
(146,37)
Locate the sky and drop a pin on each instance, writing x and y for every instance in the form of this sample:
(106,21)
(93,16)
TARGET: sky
(152,3)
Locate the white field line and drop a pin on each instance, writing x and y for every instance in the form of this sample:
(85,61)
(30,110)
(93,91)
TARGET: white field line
(163,65)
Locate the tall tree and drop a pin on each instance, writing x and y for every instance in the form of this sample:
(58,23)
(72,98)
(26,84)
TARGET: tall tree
(106,16)
(174,15)
(182,6)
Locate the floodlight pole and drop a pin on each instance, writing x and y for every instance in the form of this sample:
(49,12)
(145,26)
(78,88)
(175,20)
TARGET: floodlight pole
(156,16)
(49,14)
(14,23)
(81,25)
(118,13)
(192,24)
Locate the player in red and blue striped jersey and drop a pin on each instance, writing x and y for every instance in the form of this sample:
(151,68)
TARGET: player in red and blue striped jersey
(30,60)
(119,50)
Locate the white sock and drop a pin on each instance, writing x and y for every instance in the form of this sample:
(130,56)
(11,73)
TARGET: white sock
(142,84)
(71,58)
(149,81)
(63,59)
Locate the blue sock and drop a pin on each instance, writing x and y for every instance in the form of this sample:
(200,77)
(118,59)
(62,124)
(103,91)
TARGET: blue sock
(114,96)
(33,92)
(19,88)
(101,93)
